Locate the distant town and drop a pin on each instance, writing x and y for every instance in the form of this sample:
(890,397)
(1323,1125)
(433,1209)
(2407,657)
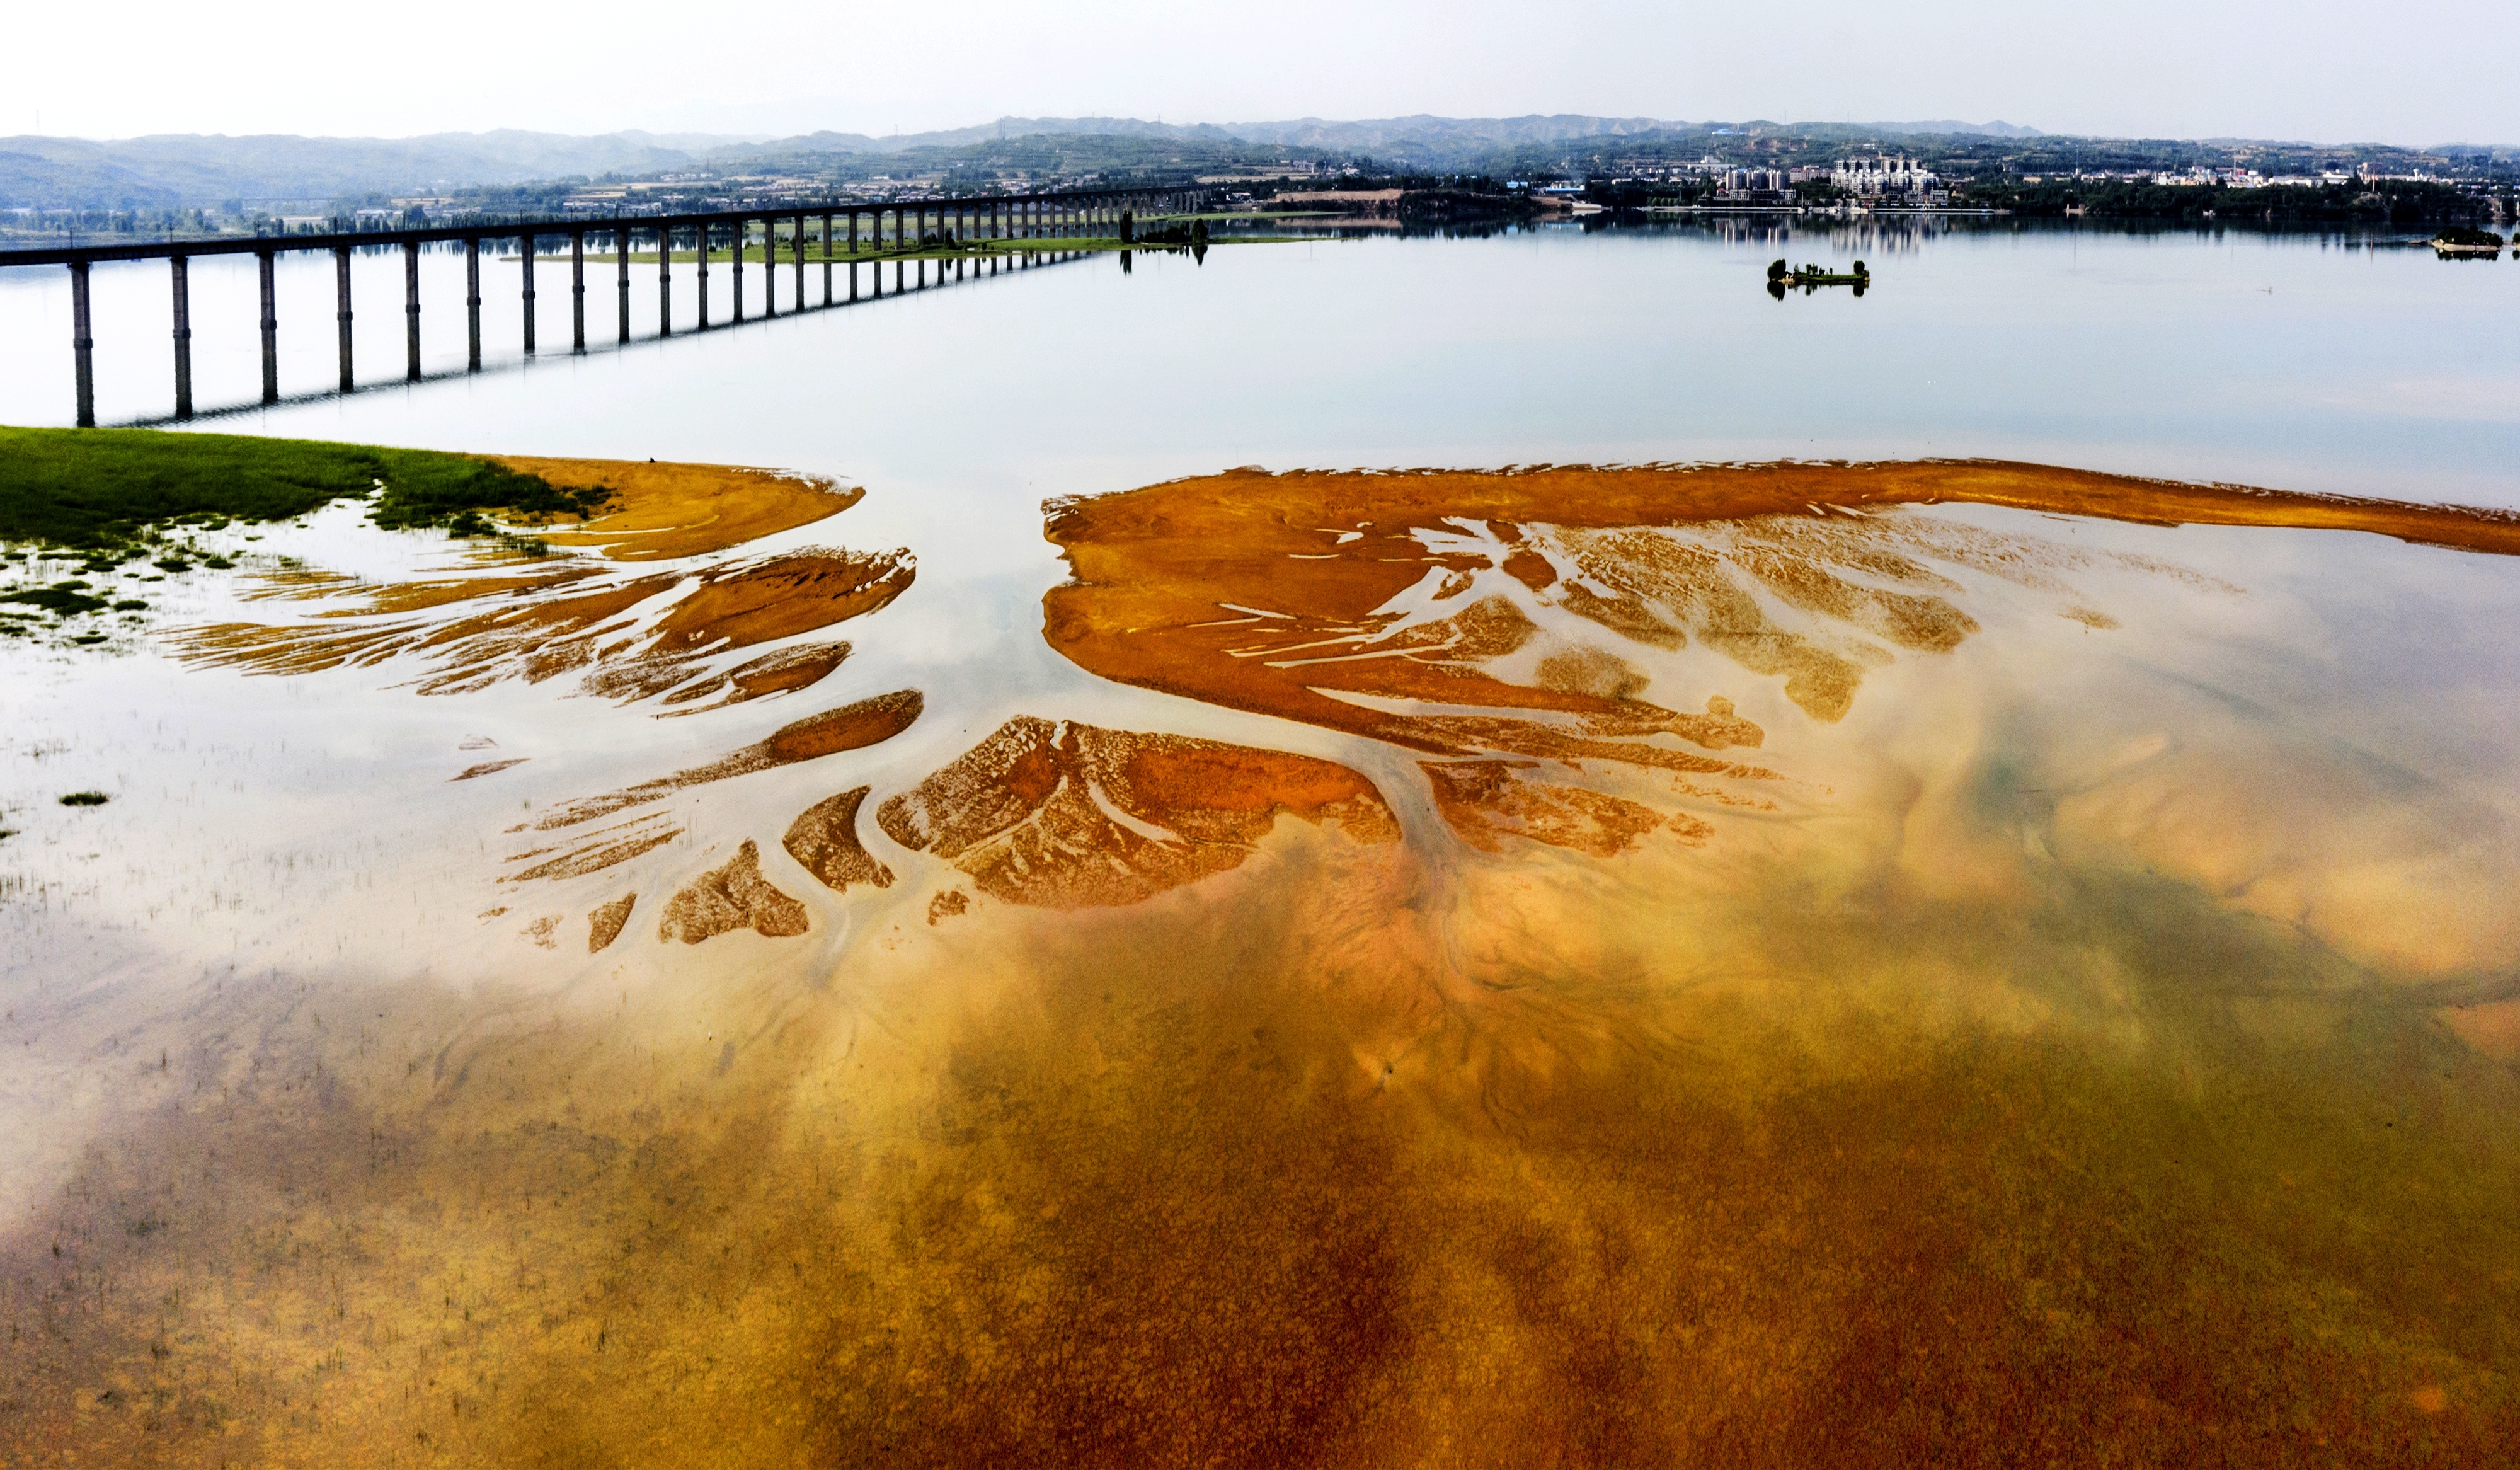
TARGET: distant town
(52,189)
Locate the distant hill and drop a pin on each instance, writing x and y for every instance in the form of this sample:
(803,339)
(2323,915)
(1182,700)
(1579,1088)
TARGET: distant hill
(1997,129)
(1302,132)
(183,169)
(190,170)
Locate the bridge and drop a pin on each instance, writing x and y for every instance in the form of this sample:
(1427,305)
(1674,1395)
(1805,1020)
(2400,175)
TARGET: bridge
(914,225)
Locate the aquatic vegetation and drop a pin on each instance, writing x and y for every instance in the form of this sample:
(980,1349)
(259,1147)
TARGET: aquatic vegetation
(85,798)
(63,599)
(101,489)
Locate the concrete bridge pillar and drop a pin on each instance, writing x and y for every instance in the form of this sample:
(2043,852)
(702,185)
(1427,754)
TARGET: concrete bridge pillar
(526,252)
(578,289)
(853,245)
(472,300)
(798,253)
(180,270)
(621,260)
(664,280)
(82,347)
(743,232)
(341,289)
(411,310)
(703,231)
(270,330)
(826,260)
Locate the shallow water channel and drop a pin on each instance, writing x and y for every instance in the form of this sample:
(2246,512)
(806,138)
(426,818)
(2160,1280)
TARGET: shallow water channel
(1779,966)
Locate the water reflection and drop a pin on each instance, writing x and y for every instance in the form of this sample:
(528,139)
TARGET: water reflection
(2048,1002)
(1778,964)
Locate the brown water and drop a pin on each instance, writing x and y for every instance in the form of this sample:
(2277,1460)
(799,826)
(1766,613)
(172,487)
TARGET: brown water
(1810,965)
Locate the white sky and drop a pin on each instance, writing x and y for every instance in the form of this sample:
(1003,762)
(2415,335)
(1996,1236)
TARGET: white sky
(2319,70)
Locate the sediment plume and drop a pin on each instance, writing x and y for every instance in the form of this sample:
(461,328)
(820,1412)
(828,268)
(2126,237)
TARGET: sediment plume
(1278,592)
(1485,800)
(731,897)
(604,924)
(1448,612)
(662,511)
(659,634)
(605,850)
(1066,815)
(824,841)
(855,727)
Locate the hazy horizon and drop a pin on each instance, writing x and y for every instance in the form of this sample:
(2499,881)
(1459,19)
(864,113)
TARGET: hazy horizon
(2206,70)
(701,139)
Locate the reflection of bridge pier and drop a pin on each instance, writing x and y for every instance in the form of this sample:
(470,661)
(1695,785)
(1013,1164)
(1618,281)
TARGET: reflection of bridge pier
(963,223)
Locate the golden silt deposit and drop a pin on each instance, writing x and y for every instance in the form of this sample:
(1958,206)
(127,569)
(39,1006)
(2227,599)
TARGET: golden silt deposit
(1774,965)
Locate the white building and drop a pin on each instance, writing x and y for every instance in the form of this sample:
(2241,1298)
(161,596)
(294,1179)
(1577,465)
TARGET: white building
(1752,180)
(1890,179)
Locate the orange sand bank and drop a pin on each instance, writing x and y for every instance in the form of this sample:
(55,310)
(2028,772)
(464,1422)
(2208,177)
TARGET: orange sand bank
(1410,606)
(674,510)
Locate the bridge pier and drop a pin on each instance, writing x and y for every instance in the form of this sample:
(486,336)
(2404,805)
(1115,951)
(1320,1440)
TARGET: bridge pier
(665,280)
(472,301)
(179,268)
(270,332)
(82,347)
(526,253)
(411,310)
(769,266)
(1048,228)
(341,290)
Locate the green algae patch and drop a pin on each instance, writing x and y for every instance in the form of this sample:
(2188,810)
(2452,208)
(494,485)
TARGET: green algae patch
(65,599)
(100,489)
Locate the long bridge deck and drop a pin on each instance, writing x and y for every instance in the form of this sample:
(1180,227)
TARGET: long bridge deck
(1097,213)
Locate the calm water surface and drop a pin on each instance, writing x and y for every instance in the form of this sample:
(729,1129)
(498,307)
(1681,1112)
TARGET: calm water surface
(2056,1003)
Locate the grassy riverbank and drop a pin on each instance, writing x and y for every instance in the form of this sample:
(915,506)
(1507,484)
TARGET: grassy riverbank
(107,491)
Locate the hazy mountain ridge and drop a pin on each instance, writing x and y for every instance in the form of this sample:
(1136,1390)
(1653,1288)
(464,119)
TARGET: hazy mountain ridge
(1423,131)
(169,171)
(178,170)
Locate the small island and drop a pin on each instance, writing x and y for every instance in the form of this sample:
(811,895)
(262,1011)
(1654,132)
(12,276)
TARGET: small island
(2460,243)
